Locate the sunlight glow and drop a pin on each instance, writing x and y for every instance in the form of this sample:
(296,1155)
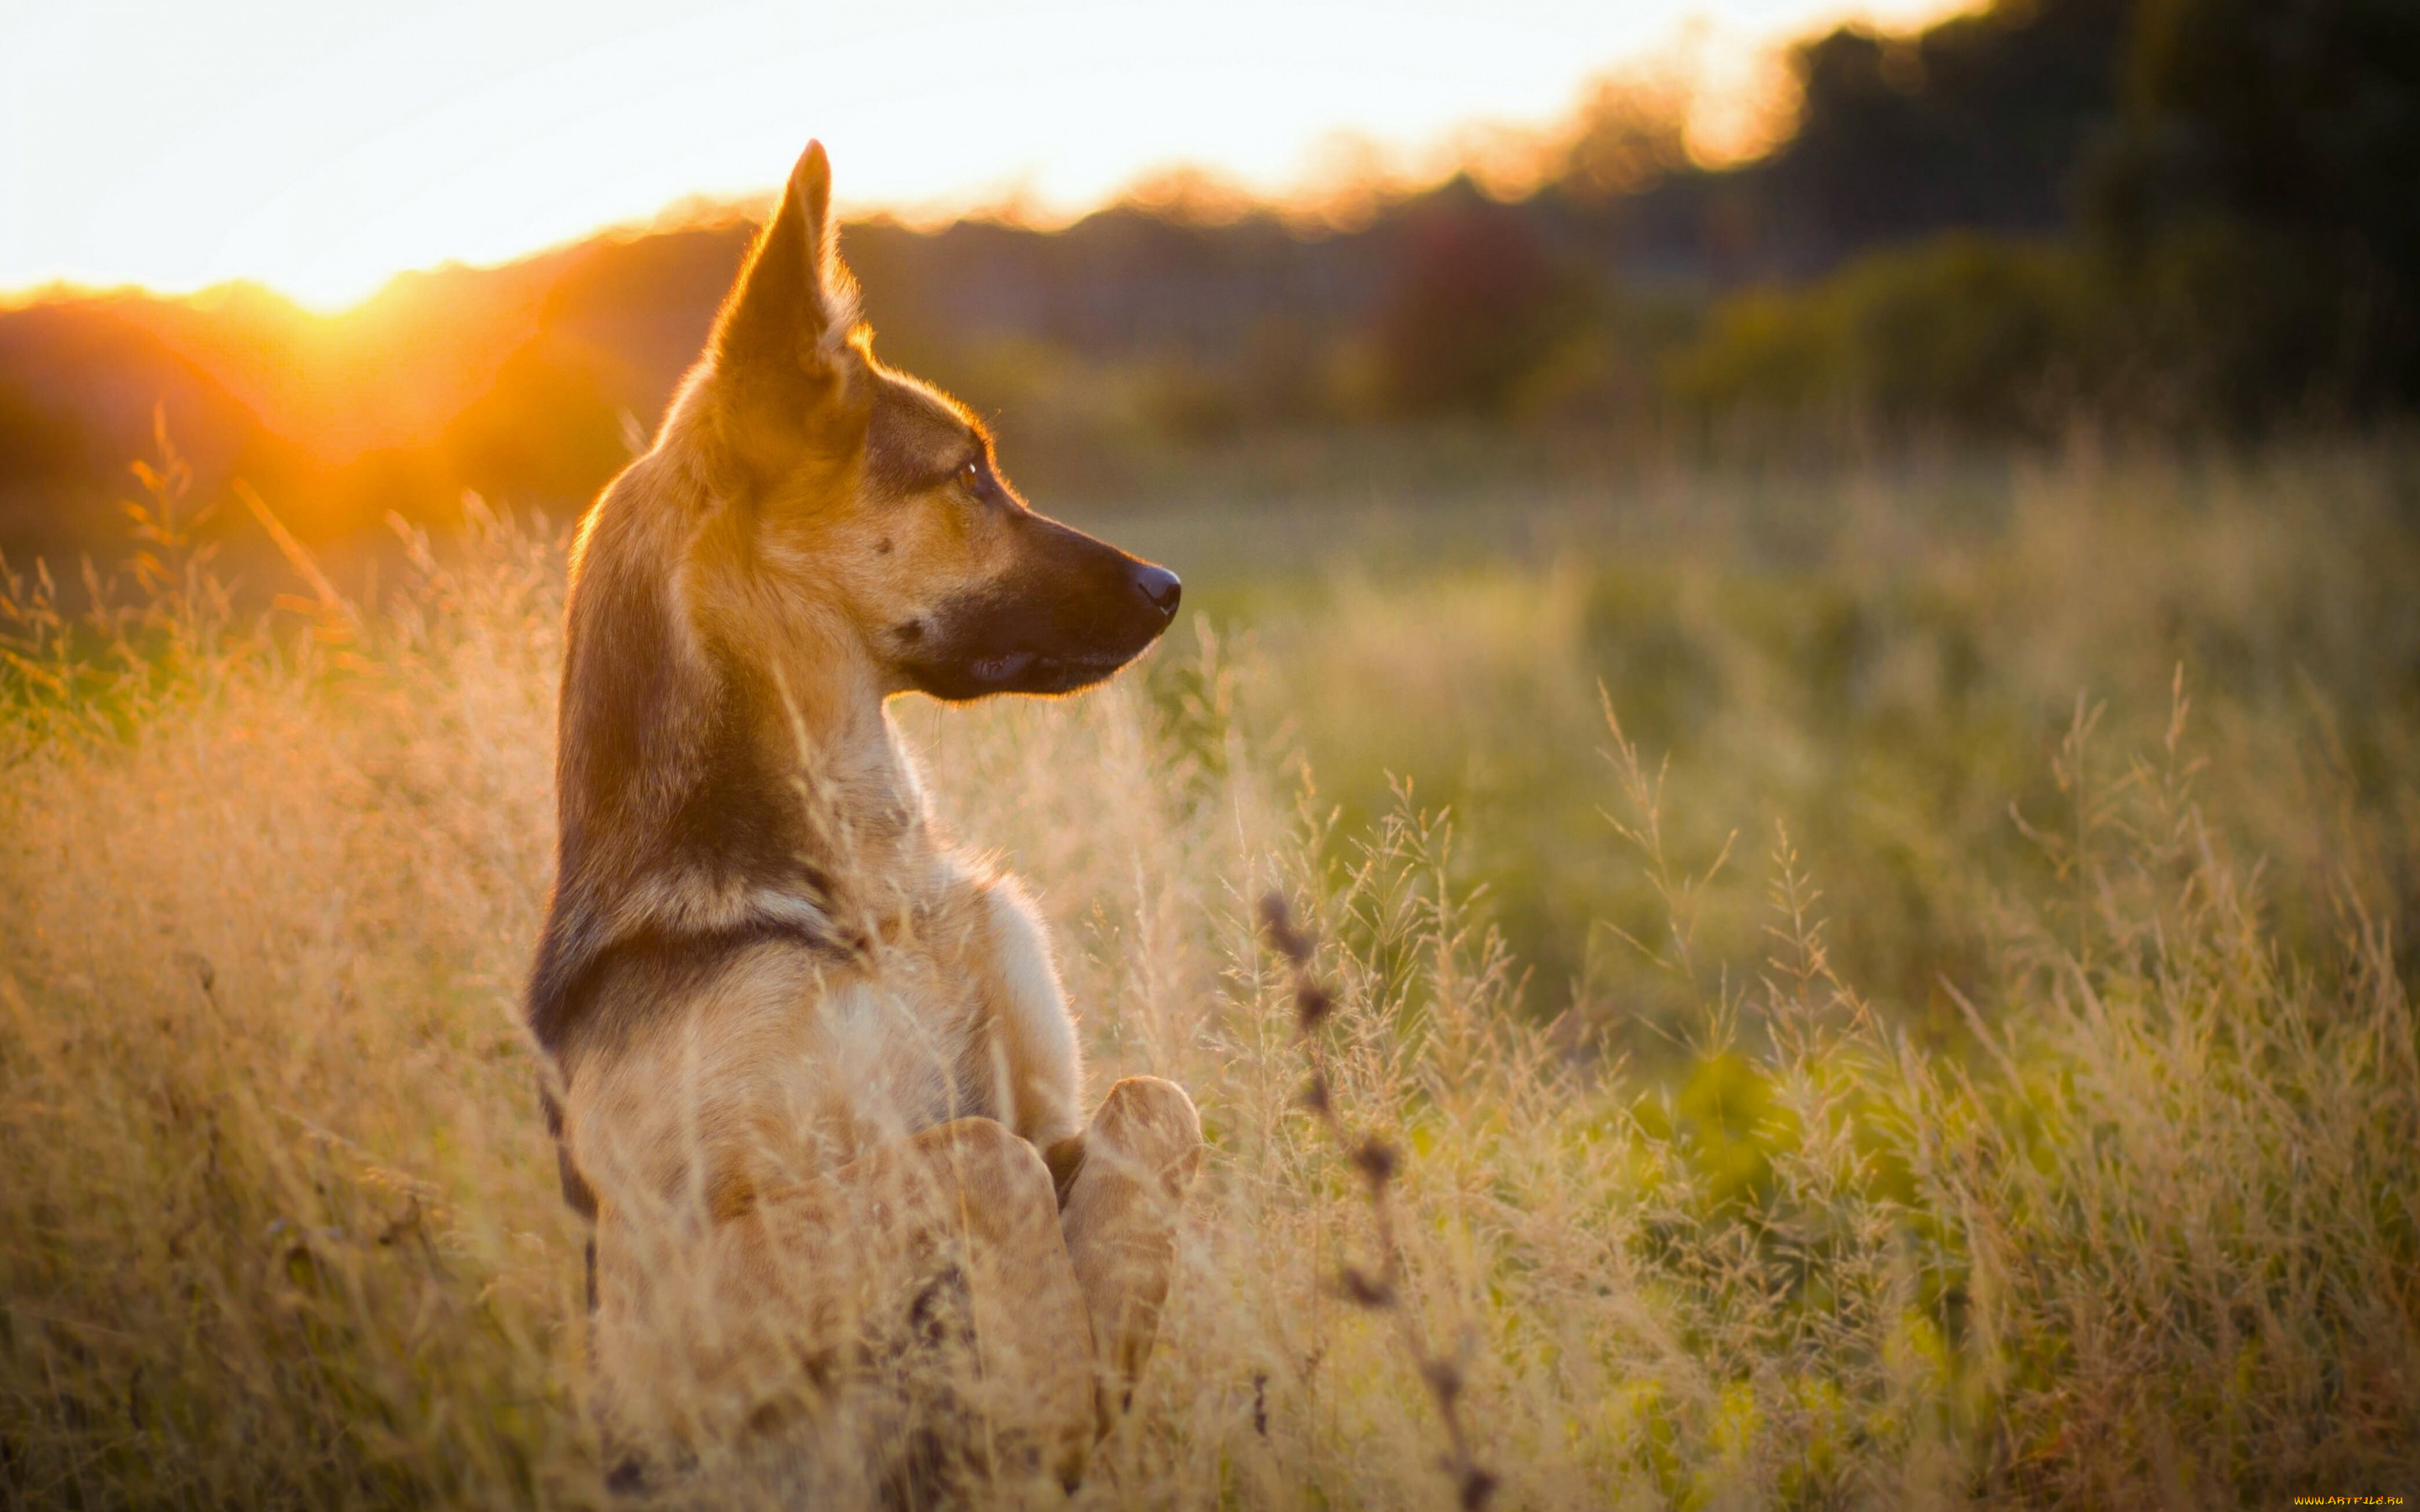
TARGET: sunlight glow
(321,149)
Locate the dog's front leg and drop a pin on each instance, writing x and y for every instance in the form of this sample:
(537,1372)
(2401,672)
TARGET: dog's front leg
(1121,1179)
(955,1229)
(1038,1065)
(1121,1199)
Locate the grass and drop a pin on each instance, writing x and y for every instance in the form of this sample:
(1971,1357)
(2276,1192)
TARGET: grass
(1884,658)
(1936,1089)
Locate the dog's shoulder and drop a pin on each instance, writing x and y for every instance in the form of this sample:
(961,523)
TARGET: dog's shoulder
(592,995)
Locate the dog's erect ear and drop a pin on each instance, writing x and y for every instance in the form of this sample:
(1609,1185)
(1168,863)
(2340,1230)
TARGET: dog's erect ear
(794,303)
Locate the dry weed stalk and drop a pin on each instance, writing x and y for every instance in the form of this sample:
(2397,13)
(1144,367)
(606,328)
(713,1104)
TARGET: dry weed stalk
(1378,1161)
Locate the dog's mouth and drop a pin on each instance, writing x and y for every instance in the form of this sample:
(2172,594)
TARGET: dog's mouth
(1034,671)
(1071,613)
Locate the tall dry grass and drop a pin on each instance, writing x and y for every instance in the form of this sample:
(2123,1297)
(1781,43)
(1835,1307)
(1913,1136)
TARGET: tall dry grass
(278,1223)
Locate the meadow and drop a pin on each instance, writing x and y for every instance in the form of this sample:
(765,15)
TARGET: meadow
(1893,984)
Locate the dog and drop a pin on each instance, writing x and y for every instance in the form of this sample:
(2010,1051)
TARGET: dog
(809,1071)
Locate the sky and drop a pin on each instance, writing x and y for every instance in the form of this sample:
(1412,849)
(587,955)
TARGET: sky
(322,146)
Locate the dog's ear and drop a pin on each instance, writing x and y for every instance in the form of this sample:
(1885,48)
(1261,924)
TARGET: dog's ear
(794,305)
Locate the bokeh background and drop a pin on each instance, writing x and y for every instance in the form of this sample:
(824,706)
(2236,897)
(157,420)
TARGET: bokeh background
(1825,632)
(2179,217)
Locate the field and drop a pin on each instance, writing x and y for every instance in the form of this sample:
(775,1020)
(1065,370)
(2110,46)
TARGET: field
(1894,984)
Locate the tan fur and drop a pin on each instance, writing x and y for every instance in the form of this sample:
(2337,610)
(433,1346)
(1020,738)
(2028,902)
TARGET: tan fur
(806,1060)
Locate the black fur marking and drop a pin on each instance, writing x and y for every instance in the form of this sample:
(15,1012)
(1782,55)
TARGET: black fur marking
(577,1193)
(659,779)
(1072,616)
(630,975)
(914,444)
(739,815)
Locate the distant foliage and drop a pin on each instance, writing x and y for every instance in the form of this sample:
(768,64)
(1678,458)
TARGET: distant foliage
(2263,194)
(1988,335)
(2181,217)
(1475,304)
(1978,121)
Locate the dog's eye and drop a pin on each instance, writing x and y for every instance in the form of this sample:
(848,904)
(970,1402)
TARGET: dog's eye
(970,477)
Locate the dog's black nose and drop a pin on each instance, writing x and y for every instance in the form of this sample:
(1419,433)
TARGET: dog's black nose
(1160,586)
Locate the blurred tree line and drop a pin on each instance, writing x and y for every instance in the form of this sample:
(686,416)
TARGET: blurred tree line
(2198,212)
(2165,214)
(2176,214)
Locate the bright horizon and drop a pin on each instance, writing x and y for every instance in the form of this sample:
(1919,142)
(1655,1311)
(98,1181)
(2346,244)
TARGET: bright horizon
(322,153)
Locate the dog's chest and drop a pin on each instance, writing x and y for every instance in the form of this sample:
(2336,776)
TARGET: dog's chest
(899,1050)
(786,1068)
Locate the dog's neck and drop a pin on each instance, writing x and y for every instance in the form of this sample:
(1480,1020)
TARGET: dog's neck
(859,805)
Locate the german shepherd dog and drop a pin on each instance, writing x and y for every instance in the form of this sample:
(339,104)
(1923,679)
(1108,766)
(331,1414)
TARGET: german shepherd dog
(810,1073)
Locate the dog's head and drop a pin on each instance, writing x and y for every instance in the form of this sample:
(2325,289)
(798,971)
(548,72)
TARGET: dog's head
(875,503)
